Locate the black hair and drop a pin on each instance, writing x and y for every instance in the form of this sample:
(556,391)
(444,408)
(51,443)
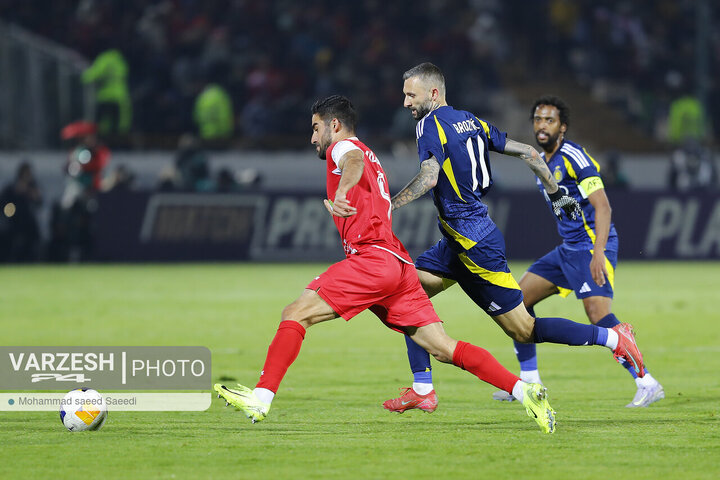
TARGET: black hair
(336,106)
(427,71)
(557,102)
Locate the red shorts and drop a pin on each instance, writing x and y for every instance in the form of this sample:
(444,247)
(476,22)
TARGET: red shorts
(378,280)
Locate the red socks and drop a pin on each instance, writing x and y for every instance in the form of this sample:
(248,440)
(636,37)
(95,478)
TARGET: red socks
(281,354)
(483,365)
(285,348)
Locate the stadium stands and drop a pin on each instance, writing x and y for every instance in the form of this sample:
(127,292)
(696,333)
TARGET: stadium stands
(274,57)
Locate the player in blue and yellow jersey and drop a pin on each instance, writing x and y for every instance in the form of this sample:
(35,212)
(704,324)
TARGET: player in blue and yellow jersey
(453,146)
(585,262)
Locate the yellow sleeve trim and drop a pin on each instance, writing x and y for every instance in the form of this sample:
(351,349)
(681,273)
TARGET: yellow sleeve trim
(591,184)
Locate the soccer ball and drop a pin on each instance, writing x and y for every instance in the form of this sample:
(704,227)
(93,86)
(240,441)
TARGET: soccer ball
(83,409)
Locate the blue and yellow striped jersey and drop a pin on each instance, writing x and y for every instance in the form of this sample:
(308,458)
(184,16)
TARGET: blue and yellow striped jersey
(578,174)
(460,142)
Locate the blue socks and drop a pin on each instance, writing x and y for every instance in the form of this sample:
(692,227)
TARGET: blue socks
(608,321)
(548,329)
(419,361)
(562,330)
(526,355)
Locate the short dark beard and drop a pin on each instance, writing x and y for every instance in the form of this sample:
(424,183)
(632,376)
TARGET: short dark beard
(549,144)
(423,110)
(324,143)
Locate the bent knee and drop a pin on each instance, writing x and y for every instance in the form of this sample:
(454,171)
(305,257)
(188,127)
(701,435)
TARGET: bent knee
(289,312)
(524,337)
(596,313)
(523,332)
(442,349)
(296,313)
(444,357)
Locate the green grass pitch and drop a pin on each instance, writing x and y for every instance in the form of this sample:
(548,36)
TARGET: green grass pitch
(327,422)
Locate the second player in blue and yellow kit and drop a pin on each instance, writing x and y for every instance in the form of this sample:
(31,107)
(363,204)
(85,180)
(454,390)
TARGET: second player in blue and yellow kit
(586,260)
(567,266)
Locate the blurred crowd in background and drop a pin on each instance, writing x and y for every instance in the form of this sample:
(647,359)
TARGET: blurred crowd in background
(192,75)
(87,172)
(243,70)
(638,56)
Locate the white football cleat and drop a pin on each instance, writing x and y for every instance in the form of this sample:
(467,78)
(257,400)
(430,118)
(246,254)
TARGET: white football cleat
(646,395)
(503,396)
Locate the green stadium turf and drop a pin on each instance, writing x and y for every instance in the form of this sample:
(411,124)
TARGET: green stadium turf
(327,422)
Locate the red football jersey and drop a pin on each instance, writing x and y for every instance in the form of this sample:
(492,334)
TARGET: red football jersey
(371,226)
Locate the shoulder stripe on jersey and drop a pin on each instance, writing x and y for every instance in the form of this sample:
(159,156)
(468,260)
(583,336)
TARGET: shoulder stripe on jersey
(597,165)
(569,168)
(419,129)
(447,165)
(577,157)
(576,154)
(484,126)
(441,132)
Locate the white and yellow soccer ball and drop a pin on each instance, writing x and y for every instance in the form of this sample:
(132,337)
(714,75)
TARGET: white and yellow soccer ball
(83,409)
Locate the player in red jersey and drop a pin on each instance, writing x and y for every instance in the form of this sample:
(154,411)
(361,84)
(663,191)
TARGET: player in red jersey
(377,274)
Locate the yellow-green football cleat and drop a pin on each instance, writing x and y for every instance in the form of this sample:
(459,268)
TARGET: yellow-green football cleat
(244,399)
(537,406)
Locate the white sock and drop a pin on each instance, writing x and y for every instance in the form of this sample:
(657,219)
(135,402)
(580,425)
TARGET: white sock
(612,340)
(422,388)
(645,381)
(517,391)
(530,376)
(264,395)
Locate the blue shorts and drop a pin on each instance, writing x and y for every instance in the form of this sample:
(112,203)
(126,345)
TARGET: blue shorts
(482,272)
(569,270)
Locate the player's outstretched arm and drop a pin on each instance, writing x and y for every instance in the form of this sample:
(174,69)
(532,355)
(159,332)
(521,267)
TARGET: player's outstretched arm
(561,202)
(533,160)
(351,165)
(422,183)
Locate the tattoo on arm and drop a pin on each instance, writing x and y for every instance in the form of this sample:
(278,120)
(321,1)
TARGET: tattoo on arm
(421,184)
(533,160)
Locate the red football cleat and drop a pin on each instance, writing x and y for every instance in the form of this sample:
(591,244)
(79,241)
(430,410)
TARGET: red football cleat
(628,349)
(409,399)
